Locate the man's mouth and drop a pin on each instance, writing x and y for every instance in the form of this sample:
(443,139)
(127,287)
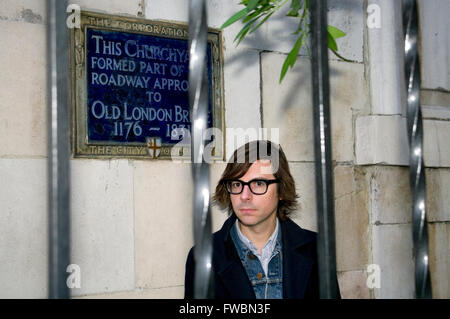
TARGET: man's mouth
(247,210)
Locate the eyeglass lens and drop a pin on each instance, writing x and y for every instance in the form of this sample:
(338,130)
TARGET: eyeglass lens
(256,187)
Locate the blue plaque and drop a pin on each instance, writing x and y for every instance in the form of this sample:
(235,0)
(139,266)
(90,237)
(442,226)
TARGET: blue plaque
(132,87)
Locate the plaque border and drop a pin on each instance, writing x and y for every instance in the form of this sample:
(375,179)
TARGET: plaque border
(80,146)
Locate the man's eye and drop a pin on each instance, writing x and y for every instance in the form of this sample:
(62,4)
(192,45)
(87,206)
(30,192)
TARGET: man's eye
(259,183)
(236,184)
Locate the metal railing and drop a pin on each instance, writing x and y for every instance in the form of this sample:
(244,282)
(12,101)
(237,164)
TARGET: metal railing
(198,100)
(326,241)
(415,137)
(58,149)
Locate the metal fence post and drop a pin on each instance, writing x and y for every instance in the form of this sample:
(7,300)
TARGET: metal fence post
(415,137)
(198,99)
(58,149)
(322,150)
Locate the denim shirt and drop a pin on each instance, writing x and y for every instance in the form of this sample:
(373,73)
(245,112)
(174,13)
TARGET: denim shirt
(267,284)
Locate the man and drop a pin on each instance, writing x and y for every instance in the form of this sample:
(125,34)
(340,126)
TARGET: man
(259,252)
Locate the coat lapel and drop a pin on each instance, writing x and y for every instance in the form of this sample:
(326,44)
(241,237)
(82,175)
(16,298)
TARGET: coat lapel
(297,266)
(236,281)
(232,272)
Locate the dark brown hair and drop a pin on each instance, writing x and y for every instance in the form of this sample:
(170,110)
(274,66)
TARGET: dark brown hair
(240,162)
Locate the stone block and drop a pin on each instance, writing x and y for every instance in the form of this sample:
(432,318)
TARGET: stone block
(218,216)
(24,11)
(439,253)
(351,218)
(111,6)
(163,222)
(438,194)
(385,57)
(391,199)
(436,112)
(436,135)
(384,140)
(381,140)
(23,123)
(102,225)
(289,106)
(353,285)
(276,33)
(242,106)
(435,44)
(306,215)
(24,228)
(392,252)
(349,16)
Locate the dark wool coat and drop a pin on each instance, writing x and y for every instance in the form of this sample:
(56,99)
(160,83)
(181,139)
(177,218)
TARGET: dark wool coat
(300,270)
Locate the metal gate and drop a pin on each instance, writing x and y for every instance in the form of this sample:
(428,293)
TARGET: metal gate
(59,150)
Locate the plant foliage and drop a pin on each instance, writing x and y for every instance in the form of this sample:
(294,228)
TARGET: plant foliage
(256,12)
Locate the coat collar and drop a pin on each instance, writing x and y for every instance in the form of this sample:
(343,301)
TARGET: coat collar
(297,265)
(230,270)
(299,251)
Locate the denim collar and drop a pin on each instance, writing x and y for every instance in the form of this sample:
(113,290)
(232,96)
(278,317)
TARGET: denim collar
(268,247)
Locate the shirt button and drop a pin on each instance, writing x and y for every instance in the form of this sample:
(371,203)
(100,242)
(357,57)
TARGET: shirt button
(252,256)
(259,275)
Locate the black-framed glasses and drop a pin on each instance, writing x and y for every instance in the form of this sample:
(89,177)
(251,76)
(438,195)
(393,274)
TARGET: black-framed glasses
(257,186)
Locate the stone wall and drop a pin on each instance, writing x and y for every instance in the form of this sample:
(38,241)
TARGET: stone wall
(131,220)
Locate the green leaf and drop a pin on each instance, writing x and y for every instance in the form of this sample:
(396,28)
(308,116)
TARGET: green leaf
(295,6)
(341,57)
(237,16)
(251,16)
(292,57)
(335,32)
(332,43)
(252,4)
(263,20)
(244,31)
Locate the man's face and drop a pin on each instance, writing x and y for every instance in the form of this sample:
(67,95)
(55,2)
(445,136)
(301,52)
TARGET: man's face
(256,210)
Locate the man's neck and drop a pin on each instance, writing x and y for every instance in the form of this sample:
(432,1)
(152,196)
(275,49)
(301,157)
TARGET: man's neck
(259,234)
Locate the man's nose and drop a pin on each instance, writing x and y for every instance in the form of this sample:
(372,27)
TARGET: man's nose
(246,193)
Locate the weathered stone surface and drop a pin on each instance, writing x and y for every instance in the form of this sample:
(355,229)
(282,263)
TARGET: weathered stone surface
(385,56)
(306,215)
(381,140)
(102,239)
(435,44)
(392,252)
(163,222)
(438,194)
(218,216)
(391,199)
(439,254)
(23,225)
(110,6)
(23,124)
(289,106)
(24,11)
(353,285)
(351,218)
(436,146)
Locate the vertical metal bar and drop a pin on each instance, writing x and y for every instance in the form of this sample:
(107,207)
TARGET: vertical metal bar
(198,99)
(322,150)
(58,148)
(415,136)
